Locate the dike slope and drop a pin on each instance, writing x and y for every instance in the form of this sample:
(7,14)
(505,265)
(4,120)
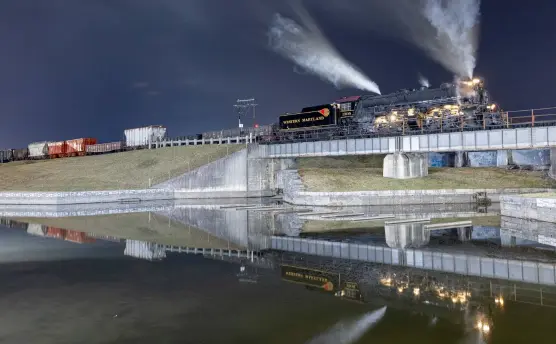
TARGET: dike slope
(118,171)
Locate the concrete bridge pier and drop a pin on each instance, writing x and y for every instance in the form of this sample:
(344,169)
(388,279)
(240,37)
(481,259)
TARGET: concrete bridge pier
(405,165)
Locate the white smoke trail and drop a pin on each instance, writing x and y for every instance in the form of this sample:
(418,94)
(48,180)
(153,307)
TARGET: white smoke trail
(310,50)
(424,81)
(347,333)
(455,22)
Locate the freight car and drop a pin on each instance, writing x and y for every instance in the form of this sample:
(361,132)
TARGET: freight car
(78,147)
(38,150)
(6,155)
(143,137)
(102,148)
(20,154)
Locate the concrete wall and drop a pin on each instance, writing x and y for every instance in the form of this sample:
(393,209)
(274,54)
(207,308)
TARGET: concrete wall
(552,171)
(482,159)
(295,193)
(441,159)
(243,173)
(84,197)
(531,208)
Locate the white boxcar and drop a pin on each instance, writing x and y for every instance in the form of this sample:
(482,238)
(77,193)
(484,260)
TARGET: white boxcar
(36,229)
(38,150)
(144,136)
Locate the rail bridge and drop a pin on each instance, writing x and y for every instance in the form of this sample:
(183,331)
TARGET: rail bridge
(406,155)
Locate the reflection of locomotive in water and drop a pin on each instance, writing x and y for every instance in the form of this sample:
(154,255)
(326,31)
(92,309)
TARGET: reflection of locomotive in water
(426,293)
(458,105)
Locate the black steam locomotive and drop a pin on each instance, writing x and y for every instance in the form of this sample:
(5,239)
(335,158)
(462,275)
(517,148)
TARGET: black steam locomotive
(463,104)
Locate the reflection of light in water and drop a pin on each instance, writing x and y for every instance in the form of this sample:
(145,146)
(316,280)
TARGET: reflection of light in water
(349,332)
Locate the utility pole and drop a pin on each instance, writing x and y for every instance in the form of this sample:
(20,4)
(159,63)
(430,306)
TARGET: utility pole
(243,107)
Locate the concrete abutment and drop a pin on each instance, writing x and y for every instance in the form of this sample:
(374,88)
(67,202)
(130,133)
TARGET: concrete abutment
(246,173)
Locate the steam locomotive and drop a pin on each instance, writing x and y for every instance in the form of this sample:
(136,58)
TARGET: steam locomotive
(462,104)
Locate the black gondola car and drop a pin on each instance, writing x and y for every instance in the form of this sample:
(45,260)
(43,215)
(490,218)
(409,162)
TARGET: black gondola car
(20,154)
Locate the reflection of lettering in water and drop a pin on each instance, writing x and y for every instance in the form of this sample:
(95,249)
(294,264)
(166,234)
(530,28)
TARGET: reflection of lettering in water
(349,332)
(307,277)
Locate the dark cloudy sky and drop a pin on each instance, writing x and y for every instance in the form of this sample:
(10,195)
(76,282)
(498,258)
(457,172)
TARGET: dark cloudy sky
(96,67)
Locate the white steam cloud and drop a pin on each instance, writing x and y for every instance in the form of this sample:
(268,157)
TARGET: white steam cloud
(455,22)
(424,81)
(350,332)
(446,30)
(311,51)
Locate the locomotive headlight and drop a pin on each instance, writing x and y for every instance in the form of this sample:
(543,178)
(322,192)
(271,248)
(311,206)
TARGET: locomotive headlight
(491,107)
(476,81)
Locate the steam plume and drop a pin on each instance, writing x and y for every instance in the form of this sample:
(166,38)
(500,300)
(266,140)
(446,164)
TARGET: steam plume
(424,81)
(455,22)
(347,333)
(446,30)
(311,51)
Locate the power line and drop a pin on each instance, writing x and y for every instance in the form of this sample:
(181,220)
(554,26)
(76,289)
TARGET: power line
(243,107)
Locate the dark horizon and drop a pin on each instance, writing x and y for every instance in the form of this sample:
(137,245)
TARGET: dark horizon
(71,70)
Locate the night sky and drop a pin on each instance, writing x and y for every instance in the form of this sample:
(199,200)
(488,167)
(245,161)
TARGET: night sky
(90,68)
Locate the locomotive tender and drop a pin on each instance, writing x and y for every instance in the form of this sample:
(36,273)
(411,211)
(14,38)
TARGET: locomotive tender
(463,104)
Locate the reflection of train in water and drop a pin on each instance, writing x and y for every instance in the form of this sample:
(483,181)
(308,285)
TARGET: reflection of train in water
(428,293)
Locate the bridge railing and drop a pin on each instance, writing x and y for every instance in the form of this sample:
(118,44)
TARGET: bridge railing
(510,119)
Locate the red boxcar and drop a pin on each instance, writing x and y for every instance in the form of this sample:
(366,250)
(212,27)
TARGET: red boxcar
(79,146)
(100,148)
(78,237)
(57,233)
(57,149)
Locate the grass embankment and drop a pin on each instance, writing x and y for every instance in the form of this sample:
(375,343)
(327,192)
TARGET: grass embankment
(322,226)
(365,173)
(137,226)
(126,170)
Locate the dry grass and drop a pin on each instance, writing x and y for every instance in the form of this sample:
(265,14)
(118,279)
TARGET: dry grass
(356,161)
(127,170)
(351,178)
(137,226)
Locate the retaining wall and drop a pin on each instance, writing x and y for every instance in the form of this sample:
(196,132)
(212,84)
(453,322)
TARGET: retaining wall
(531,208)
(295,193)
(241,174)
(83,197)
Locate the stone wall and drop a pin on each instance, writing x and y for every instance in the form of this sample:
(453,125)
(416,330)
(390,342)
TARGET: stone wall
(295,193)
(529,207)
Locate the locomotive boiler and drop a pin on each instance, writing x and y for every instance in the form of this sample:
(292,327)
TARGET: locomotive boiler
(462,104)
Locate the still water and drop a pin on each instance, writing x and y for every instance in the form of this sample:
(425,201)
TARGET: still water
(221,273)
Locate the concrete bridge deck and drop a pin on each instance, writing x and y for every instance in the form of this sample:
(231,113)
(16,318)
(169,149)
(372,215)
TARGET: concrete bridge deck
(499,139)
